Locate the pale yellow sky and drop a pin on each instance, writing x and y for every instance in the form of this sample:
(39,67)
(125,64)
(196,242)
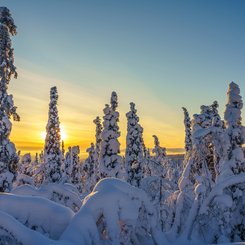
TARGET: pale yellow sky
(77,109)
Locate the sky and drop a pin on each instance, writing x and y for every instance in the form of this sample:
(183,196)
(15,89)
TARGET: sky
(162,55)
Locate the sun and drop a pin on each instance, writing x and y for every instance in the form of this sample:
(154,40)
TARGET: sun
(43,135)
(63,134)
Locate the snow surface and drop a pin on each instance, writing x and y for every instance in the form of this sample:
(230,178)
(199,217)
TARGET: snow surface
(60,193)
(37,213)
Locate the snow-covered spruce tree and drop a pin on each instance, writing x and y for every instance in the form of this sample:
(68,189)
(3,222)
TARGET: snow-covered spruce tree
(25,165)
(8,157)
(88,169)
(201,158)
(187,123)
(156,163)
(162,166)
(39,172)
(161,176)
(147,160)
(224,207)
(25,171)
(67,166)
(134,148)
(212,119)
(233,122)
(217,213)
(63,149)
(110,162)
(36,160)
(52,151)
(199,171)
(160,152)
(73,167)
(35,166)
(98,140)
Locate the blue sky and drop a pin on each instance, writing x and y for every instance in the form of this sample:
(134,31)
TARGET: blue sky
(160,54)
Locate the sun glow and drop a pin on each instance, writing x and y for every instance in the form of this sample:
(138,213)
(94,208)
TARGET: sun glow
(43,135)
(63,134)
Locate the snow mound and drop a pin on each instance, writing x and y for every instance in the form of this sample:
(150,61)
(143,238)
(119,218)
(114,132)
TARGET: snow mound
(36,213)
(23,179)
(115,211)
(13,232)
(62,194)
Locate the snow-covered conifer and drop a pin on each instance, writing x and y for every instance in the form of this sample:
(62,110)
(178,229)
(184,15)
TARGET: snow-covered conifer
(198,168)
(187,123)
(233,119)
(52,151)
(25,164)
(110,160)
(36,159)
(154,165)
(160,152)
(35,165)
(68,166)
(63,149)
(134,148)
(73,168)
(8,157)
(88,169)
(224,211)
(146,160)
(39,169)
(98,139)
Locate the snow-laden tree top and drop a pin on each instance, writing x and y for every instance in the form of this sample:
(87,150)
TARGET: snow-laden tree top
(234,106)
(53,126)
(160,152)
(7,20)
(7,68)
(114,101)
(187,123)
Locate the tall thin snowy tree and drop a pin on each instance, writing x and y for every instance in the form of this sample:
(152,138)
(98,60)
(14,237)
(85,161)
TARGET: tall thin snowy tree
(73,167)
(25,165)
(160,152)
(233,119)
(154,165)
(88,169)
(187,123)
(110,160)
(67,166)
(147,161)
(98,140)
(134,148)
(52,151)
(8,156)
